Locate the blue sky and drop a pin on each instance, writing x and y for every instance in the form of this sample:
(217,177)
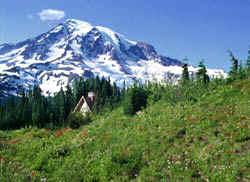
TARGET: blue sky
(177,28)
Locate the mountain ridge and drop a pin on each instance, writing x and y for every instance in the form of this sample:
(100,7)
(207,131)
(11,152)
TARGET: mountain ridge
(76,49)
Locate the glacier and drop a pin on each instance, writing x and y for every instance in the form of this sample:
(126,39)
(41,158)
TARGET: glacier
(76,49)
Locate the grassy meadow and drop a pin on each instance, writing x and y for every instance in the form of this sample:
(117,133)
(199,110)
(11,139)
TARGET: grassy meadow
(205,138)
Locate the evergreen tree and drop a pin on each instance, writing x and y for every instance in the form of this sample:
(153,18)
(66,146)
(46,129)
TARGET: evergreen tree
(202,73)
(108,88)
(241,71)
(123,88)
(37,93)
(135,100)
(69,101)
(38,107)
(79,89)
(234,70)
(21,105)
(185,73)
(51,109)
(248,61)
(60,107)
(97,84)
(10,113)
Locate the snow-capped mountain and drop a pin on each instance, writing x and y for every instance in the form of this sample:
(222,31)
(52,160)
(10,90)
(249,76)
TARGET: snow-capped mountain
(76,48)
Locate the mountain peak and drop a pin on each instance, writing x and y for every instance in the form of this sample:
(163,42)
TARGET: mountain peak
(76,49)
(76,22)
(78,26)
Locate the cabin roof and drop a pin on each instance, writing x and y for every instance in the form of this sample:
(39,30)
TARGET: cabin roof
(82,106)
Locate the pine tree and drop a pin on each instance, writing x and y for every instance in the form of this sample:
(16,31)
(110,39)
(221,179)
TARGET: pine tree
(37,93)
(69,101)
(38,107)
(202,73)
(79,89)
(11,116)
(241,71)
(248,61)
(108,88)
(123,89)
(51,109)
(61,106)
(21,107)
(135,100)
(234,70)
(97,84)
(185,73)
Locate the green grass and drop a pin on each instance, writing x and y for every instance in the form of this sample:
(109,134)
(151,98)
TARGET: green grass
(206,140)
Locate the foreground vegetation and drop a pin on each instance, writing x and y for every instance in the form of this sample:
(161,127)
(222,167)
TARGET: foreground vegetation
(204,139)
(194,131)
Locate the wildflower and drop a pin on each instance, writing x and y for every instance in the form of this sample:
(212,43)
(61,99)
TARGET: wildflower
(125,151)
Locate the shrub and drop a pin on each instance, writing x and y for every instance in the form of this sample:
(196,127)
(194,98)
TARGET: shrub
(77,119)
(135,100)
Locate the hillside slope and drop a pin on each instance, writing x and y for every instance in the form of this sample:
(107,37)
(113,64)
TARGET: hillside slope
(208,140)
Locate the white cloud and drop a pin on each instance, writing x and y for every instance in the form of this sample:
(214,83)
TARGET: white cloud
(51,14)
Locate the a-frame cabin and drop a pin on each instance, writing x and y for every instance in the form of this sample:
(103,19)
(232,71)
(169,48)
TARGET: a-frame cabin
(85,105)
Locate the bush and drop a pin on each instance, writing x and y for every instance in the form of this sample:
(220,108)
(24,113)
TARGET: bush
(77,119)
(135,100)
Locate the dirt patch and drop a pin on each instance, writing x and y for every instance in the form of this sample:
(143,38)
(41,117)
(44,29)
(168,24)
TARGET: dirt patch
(62,131)
(2,159)
(11,142)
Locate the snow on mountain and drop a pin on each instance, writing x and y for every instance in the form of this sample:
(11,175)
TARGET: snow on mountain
(76,49)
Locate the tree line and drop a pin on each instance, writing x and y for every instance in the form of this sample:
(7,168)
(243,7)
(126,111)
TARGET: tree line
(237,71)
(32,108)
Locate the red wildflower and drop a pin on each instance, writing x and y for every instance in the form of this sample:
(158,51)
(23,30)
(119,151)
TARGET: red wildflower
(33,174)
